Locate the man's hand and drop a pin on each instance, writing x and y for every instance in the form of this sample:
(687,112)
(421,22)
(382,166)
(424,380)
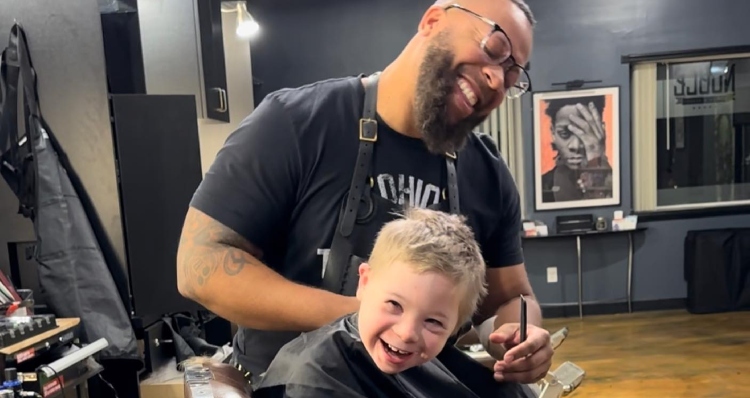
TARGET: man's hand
(526,362)
(589,129)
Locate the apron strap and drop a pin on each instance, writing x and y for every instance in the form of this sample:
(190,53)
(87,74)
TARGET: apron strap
(340,270)
(15,153)
(15,62)
(9,73)
(368,135)
(450,162)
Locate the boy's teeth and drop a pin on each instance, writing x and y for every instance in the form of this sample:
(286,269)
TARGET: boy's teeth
(466,89)
(396,349)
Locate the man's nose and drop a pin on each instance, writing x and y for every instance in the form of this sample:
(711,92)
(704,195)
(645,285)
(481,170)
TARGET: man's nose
(495,77)
(575,144)
(407,331)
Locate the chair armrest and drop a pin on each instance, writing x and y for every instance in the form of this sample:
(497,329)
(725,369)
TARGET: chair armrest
(217,380)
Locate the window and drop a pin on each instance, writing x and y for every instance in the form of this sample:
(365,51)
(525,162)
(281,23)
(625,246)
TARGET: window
(691,133)
(504,126)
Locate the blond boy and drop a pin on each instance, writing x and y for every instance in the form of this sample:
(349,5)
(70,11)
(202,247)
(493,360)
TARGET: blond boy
(424,279)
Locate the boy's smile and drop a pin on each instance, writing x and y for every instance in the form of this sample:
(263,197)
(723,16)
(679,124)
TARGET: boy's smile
(392,355)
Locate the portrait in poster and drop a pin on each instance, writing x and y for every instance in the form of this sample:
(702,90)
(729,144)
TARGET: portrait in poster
(577,148)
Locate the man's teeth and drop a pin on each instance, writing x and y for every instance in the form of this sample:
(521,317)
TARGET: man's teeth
(468,92)
(396,350)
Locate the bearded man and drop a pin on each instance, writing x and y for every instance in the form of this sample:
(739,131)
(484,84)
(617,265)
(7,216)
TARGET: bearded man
(293,201)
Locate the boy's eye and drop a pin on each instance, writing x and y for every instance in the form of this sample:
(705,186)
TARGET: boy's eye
(435,322)
(393,305)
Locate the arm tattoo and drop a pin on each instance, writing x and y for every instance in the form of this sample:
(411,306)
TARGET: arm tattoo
(207,246)
(235,262)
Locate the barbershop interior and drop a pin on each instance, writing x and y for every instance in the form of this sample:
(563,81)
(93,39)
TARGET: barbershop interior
(616,128)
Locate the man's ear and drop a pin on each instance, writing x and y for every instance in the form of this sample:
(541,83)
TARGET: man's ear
(432,21)
(364,276)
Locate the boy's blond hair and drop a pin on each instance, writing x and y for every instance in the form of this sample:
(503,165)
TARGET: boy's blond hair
(435,241)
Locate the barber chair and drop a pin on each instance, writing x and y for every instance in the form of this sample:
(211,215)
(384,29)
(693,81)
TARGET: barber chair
(205,379)
(215,380)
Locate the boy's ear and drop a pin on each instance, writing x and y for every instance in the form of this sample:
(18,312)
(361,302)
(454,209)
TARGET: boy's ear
(364,276)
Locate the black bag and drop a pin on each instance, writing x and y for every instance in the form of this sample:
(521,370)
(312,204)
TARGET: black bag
(717,270)
(74,274)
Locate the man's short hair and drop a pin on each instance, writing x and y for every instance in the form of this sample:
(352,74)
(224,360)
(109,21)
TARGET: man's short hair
(526,11)
(521,4)
(435,241)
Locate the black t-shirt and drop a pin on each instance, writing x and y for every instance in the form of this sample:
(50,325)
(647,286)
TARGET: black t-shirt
(281,177)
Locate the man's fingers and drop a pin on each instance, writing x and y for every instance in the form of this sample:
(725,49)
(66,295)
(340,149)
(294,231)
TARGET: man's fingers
(597,120)
(519,352)
(586,113)
(591,122)
(525,370)
(590,142)
(499,366)
(526,348)
(527,363)
(504,334)
(578,132)
(508,340)
(577,121)
(584,130)
(590,114)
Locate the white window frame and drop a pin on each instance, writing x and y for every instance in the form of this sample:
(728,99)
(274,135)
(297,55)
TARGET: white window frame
(643,134)
(504,125)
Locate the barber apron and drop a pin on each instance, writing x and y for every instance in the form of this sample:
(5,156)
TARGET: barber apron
(364,212)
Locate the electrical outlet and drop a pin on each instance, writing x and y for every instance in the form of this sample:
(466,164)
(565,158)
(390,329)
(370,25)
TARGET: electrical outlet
(551,274)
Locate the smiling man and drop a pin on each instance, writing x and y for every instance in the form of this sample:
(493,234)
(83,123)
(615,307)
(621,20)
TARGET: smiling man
(294,200)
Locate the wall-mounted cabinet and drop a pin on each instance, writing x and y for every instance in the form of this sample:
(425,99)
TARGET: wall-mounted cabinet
(212,56)
(183,52)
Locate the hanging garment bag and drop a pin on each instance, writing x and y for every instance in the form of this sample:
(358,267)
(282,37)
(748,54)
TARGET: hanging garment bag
(74,276)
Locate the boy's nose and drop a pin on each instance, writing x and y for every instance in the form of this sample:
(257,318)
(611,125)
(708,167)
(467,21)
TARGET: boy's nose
(407,331)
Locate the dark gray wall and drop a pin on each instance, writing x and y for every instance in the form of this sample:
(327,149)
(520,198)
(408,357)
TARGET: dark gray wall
(574,39)
(309,41)
(65,39)
(584,39)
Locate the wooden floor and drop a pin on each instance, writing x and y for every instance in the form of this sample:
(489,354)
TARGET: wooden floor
(658,354)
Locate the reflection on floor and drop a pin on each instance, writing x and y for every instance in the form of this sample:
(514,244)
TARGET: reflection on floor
(658,354)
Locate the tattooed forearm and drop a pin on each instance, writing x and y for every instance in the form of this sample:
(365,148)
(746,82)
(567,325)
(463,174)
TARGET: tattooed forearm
(206,247)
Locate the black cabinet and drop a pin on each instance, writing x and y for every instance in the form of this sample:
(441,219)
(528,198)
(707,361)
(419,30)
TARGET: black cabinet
(183,52)
(159,167)
(212,56)
(717,270)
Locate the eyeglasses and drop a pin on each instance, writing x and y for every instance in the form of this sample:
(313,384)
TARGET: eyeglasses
(497,46)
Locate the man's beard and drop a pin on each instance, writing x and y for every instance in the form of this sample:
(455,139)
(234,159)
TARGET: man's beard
(435,86)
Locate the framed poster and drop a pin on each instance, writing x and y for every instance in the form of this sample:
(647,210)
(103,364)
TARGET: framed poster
(577,148)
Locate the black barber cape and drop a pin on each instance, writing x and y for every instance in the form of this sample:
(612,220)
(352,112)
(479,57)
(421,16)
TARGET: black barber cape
(332,362)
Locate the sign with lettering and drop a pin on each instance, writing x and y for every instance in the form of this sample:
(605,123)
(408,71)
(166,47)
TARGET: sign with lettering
(700,89)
